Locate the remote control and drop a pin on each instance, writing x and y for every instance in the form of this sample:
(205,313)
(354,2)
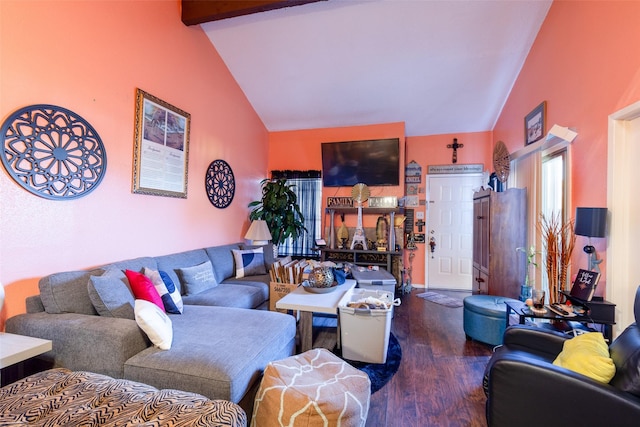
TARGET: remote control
(558,309)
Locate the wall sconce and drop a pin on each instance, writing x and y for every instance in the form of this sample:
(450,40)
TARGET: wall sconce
(591,222)
(258,232)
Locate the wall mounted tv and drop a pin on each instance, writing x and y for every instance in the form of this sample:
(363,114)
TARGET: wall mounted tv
(372,162)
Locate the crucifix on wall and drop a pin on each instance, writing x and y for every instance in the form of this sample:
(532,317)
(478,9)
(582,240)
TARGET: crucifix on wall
(455,146)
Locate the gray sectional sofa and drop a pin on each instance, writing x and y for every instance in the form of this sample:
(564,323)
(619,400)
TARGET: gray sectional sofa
(222,341)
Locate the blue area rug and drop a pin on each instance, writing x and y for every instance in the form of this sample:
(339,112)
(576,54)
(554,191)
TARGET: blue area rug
(381,373)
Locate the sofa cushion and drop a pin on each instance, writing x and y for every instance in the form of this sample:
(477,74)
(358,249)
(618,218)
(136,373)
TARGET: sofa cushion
(227,295)
(197,278)
(143,288)
(155,323)
(167,290)
(192,365)
(134,264)
(249,262)
(171,263)
(110,295)
(259,282)
(67,292)
(222,259)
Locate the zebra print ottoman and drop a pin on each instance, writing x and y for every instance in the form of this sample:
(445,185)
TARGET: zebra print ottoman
(60,397)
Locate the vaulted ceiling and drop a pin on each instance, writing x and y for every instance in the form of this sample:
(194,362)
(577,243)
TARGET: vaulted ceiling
(439,66)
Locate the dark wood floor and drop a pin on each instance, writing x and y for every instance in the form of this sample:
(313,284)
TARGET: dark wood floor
(439,382)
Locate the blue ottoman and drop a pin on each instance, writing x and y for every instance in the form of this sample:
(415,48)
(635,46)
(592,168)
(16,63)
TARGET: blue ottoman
(485,318)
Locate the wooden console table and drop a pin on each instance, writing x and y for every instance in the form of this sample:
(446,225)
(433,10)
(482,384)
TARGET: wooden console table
(360,257)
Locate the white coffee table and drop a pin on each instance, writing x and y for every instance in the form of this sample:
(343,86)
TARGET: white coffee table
(308,303)
(18,348)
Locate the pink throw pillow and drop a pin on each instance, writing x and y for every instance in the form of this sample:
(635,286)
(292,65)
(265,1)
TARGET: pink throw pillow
(142,288)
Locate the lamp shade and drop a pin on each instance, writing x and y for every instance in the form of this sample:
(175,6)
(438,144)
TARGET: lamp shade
(591,222)
(258,231)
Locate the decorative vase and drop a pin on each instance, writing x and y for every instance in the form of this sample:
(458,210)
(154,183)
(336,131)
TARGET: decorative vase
(321,277)
(525,292)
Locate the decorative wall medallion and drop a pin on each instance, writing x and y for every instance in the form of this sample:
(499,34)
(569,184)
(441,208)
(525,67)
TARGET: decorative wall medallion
(52,152)
(220,184)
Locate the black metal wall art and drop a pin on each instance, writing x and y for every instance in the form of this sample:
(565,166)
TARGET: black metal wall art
(52,152)
(220,184)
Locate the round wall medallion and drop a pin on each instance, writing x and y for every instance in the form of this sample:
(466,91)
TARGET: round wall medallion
(52,152)
(501,161)
(220,184)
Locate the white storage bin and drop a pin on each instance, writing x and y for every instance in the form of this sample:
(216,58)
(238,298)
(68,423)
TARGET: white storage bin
(365,333)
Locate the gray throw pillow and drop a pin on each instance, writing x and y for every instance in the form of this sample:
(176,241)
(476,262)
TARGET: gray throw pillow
(197,279)
(110,295)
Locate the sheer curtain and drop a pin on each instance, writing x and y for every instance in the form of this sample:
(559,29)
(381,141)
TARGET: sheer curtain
(308,188)
(547,190)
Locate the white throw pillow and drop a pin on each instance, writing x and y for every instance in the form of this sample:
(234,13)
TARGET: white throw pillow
(155,323)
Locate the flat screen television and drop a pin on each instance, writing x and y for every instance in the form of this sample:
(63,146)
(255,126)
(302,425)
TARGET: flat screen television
(373,162)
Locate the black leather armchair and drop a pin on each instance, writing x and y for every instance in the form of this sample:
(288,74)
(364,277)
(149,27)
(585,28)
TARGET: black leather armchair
(524,388)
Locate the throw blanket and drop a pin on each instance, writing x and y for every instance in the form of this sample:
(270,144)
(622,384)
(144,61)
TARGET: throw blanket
(60,397)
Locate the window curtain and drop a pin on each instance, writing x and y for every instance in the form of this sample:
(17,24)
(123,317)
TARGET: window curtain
(308,188)
(526,172)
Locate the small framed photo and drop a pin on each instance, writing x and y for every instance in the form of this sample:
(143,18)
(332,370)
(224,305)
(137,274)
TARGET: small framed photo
(535,123)
(161,152)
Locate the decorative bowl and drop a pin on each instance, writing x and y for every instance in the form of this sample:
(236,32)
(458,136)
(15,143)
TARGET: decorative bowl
(321,277)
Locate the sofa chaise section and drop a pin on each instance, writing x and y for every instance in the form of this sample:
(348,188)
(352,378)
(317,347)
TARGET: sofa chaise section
(218,352)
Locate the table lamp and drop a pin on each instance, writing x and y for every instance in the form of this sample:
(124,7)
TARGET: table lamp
(591,222)
(258,232)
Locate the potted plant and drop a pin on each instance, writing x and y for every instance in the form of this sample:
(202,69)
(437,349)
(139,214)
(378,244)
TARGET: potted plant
(529,278)
(279,208)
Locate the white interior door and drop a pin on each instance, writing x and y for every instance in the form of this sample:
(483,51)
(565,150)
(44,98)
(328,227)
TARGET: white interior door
(450,226)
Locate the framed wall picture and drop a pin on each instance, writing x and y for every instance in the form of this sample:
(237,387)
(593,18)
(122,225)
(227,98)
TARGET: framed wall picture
(161,152)
(535,123)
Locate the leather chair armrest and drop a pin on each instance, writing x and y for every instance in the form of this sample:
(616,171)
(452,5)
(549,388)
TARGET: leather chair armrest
(539,341)
(525,391)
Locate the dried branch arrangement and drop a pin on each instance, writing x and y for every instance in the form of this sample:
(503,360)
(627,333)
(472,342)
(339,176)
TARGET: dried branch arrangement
(559,240)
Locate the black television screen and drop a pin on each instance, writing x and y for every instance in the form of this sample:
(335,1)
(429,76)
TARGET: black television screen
(371,162)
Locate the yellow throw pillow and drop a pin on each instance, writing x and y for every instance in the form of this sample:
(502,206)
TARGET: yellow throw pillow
(588,355)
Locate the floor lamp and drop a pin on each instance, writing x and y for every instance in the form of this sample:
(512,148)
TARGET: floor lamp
(591,222)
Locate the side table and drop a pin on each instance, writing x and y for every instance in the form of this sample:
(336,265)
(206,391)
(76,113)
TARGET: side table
(600,313)
(18,348)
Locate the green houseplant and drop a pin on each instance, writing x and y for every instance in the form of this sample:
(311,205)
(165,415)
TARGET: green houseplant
(279,208)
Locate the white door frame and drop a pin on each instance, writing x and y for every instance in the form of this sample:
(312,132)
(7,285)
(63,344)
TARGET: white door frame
(621,195)
(427,250)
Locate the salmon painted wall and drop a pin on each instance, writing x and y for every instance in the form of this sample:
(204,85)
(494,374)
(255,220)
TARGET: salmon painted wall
(90,57)
(432,150)
(583,64)
(300,150)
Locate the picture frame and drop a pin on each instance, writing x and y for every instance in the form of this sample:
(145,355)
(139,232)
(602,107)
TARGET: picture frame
(161,147)
(535,124)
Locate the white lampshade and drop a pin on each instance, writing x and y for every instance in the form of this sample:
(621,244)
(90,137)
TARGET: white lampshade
(258,232)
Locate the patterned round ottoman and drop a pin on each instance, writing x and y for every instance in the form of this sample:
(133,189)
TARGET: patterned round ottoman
(485,318)
(315,388)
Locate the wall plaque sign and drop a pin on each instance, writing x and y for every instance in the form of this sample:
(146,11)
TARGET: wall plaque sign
(339,202)
(454,169)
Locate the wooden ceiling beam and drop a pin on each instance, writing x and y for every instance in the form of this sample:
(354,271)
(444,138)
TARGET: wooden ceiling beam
(196,12)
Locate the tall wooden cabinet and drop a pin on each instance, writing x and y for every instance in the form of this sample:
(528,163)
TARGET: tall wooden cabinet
(499,227)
